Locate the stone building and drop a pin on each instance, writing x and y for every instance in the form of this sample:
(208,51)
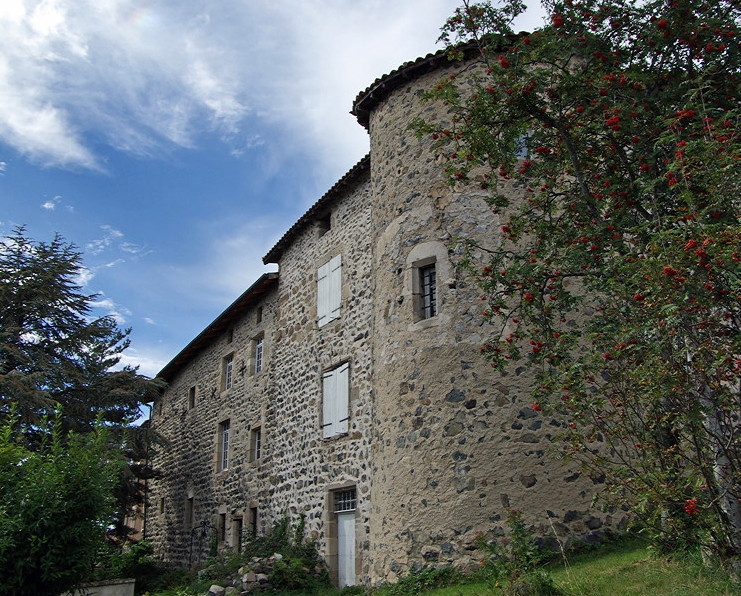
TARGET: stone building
(348,386)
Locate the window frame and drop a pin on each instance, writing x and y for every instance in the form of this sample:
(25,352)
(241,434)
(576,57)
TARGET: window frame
(223,431)
(259,343)
(253,521)
(222,528)
(344,500)
(427,290)
(256,444)
(227,372)
(189,513)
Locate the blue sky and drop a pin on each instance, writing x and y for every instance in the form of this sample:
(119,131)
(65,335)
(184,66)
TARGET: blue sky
(175,141)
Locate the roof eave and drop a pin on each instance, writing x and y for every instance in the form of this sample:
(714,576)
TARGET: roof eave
(219,324)
(351,178)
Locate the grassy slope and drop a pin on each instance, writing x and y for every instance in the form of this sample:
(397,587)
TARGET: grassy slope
(621,570)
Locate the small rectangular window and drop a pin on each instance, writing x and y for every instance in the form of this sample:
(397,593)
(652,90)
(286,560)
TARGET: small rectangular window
(237,534)
(222,527)
(230,335)
(428,291)
(259,345)
(228,368)
(255,443)
(258,315)
(324,224)
(192,398)
(189,513)
(162,504)
(224,445)
(345,500)
(253,521)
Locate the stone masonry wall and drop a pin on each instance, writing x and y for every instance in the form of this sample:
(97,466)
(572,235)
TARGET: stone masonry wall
(438,446)
(455,444)
(188,460)
(308,467)
(297,468)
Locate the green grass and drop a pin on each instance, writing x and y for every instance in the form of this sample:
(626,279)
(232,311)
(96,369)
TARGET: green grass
(619,569)
(626,569)
(632,570)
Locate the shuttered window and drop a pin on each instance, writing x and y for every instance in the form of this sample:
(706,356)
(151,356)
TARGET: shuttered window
(329,290)
(335,406)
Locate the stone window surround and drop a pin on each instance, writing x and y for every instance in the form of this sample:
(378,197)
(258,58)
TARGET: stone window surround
(426,253)
(257,444)
(189,512)
(254,518)
(236,531)
(228,369)
(223,425)
(323,224)
(253,354)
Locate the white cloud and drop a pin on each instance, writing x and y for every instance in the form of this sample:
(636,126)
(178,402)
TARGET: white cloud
(3,167)
(150,362)
(149,321)
(84,276)
(50,204)
(118,312)
(144,77)
(95,247)
(130,248)
(139,76)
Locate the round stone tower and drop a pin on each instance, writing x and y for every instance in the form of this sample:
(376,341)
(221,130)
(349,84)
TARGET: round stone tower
(455,444)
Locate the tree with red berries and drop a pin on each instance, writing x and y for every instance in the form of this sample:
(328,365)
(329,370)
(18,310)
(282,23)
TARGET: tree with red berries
(608,142)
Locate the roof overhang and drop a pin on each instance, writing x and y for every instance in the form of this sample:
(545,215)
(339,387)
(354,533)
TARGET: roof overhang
(220,324)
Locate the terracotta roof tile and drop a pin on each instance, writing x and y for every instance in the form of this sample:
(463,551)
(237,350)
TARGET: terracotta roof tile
(369,98)
(219,324)
(351,178)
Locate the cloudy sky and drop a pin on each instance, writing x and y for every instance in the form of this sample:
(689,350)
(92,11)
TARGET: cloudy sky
(174,141)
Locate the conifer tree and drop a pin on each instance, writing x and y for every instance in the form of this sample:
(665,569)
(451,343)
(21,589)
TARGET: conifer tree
(57,360)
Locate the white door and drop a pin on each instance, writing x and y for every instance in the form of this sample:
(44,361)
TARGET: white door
(346,548)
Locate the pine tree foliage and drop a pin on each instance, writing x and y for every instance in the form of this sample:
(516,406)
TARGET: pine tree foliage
(57,360)
(53,354)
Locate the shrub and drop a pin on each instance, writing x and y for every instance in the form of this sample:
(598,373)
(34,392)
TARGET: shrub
(136,561)
(55,505)
(517,567)
(424,579)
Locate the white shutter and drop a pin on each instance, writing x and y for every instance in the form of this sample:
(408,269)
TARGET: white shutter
(335,401)
(343,397)
(322,294)
(335,287)
(328,404)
